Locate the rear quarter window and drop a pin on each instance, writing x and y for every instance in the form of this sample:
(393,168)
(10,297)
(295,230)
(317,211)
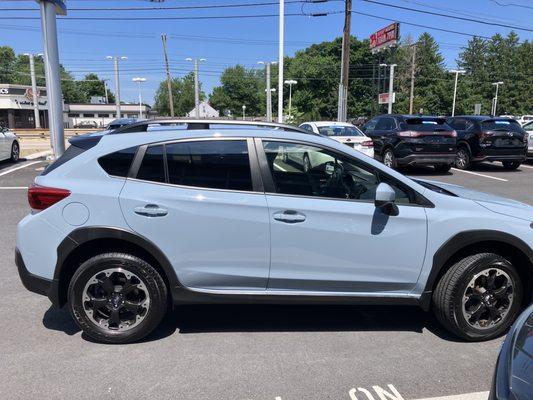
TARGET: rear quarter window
(119,162)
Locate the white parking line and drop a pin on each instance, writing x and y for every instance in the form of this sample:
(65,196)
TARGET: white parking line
(19,167)
(478,174)
(14,188)
(468,396)
(526,166)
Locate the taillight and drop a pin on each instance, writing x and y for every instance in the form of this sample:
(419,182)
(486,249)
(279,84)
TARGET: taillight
(453,133)
(367,143)
(484,134)
(41,197)
(410,134)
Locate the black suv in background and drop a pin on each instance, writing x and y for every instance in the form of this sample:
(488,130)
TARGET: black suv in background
(401,140)
(485,138)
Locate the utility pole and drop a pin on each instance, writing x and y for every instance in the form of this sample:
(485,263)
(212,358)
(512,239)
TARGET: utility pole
(456,72)
(49,9)
(345,64)
(391,87)
(495,99)
(116,60)
(413,69)
(169,78)
(34,91)
(196,84)
(281,60)
(268,90)
(105,90)
(243,112)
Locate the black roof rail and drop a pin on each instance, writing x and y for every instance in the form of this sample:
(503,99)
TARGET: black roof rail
(193,124)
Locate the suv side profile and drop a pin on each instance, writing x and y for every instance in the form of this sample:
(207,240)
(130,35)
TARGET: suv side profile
(401,140)
(485,138)
(124,225)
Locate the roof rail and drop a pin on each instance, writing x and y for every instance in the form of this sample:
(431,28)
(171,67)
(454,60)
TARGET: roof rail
(193,124)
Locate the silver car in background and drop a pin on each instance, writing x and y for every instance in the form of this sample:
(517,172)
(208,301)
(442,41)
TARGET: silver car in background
(529,129)
(342,132)
(9,145)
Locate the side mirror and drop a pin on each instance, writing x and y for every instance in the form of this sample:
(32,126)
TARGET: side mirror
(384,200)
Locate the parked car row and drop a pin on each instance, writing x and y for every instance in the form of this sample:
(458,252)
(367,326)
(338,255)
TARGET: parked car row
(402,140)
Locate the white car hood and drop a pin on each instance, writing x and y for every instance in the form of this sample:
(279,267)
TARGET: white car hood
(497,204)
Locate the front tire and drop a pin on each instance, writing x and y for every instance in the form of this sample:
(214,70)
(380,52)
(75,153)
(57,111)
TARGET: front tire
(15,152)
(479,297)
(117,298)
(510,165)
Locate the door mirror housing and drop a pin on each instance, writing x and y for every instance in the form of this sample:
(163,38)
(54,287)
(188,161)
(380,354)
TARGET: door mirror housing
(385,198)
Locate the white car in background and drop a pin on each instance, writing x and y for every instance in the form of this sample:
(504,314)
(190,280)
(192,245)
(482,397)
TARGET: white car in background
(525,119)
(9,145)
(529,129)
(342,132)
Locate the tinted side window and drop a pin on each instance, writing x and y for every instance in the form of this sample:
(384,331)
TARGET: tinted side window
(370,125)
(119,162)
(299,169)
(385,124)
(152,167)
(216,164)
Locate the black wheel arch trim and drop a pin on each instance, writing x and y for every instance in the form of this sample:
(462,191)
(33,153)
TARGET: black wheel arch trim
(460,241)
(86,234)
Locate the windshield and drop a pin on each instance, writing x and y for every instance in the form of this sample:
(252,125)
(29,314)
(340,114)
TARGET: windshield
(501,125)
(422,124)
(339,130)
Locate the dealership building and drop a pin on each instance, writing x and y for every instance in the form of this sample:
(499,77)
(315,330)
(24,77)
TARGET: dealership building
(16,110)
(16,106)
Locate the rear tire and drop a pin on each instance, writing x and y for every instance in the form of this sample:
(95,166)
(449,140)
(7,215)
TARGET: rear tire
(511,165)
(463,159)
(15,152)
(479,297)
(442,169)
(117,298)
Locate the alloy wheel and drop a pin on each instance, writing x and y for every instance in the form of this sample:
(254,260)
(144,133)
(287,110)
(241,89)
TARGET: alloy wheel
(488,298)
(388,159)
(116,299)
(461,159)
(15,152)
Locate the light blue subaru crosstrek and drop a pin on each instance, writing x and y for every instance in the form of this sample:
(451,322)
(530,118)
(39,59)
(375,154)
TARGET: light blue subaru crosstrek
(129,222)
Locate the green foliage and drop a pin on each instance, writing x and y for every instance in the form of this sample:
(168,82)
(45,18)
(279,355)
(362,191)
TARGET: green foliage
(240,86)
(183,96)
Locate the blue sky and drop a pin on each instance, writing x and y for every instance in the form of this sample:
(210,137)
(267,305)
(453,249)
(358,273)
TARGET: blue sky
(85,44)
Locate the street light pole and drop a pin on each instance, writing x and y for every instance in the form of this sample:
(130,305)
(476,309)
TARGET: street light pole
(105,90)
(243,112)
(456,72)
(196,84)
(34,91)
(117,82)
(280,61)
(290,82)
(268,90)
(49,9)
(391,87)
(140,80)
(495,100)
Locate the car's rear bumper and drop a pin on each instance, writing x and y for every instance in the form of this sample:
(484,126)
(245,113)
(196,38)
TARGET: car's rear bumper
(520,158)
(427,159)
(34,283)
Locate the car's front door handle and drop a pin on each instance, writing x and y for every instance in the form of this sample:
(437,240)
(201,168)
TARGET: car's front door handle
(289,216)
(151,210)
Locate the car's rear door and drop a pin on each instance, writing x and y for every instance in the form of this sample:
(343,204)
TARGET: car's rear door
(326,233)
(198,202)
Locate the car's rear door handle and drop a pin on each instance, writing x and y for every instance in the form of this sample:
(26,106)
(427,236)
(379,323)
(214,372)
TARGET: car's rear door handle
(151,210)
(289,216)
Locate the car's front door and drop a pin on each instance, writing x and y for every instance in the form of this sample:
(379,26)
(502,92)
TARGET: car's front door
(197,201)
(326,233)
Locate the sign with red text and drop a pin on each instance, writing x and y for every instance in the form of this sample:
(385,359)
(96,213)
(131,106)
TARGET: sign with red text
(385,37)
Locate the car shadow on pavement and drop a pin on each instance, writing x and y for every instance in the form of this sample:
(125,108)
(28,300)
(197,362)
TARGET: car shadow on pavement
(191,319)
(304,318)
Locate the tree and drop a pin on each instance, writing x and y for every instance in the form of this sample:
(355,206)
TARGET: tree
(183,96)
(92,85)
(240,86)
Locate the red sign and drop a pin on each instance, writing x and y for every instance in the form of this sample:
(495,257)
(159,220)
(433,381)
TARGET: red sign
(385,37)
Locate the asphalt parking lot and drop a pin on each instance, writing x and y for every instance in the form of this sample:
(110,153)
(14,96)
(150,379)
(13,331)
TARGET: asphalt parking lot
(240,352)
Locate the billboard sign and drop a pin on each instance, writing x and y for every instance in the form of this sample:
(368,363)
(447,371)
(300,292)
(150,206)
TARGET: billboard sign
(385,37)
(383,98)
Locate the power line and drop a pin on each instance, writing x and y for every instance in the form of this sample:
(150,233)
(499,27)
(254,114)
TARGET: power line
(477,21)
(510,4)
